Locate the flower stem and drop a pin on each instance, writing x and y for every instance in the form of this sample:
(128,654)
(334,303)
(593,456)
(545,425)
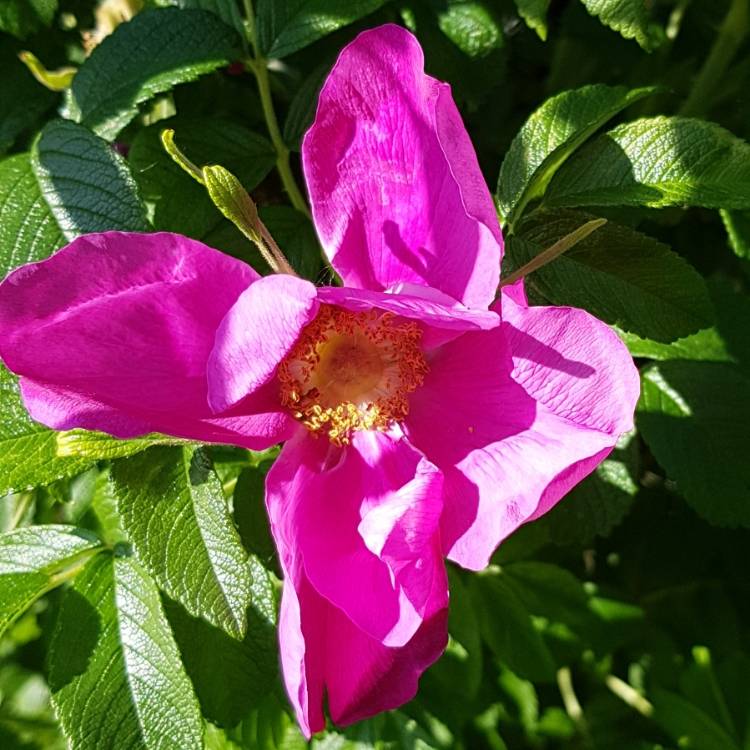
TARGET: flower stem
(733,30)
(259,67)
(552,252)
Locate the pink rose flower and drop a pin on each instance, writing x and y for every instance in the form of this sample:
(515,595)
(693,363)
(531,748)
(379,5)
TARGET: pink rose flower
(422,419)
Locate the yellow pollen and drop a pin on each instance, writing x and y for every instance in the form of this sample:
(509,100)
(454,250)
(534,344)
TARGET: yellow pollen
(352,371)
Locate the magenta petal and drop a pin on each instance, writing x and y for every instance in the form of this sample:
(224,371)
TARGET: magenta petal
(396,190)
(430,306)
(303,617)
(256,334)
(574,364)
(368,512)
(323,654)
(545,341)
(114,331)
(441,317)
(261,426)
(358,539)
(363,677)
(518,439)
(126,318)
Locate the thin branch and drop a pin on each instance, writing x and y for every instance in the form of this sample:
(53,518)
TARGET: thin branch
(548,255)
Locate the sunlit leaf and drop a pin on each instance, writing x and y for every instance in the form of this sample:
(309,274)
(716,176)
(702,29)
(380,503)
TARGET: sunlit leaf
(115,671)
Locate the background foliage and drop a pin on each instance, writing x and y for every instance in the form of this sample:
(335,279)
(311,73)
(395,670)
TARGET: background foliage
(138,583)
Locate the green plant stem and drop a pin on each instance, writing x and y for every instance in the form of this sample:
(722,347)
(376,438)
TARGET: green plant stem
(629,695)
(547,256)
(675,19)
(250,21)
(282,152)
(71,570)
(571,703)
(702,657)
(733,30)
(259,67)
(22,506)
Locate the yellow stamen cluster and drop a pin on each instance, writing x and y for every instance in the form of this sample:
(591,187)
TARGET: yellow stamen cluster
(352,371)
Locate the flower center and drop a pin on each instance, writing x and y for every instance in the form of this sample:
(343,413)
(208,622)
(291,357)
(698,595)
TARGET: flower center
(352,371)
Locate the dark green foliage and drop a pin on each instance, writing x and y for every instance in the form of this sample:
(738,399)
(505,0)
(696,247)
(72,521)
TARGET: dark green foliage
(28,451)
(622,276)
(86,184)
(175,513)
(150,54)
(115,672)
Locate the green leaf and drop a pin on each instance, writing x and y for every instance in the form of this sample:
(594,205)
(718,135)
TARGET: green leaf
(152,53)
(22,100)
(471,26)
(657,161)
(391,730)
(733,674)
(104,509)
(550,135)
(103,447)
(86,183)
(23,17)
(28,231)
(231,676)
(706,344)
(285,27)
(228,195)
(227,10)
(250,514)
(36,559)
(687,724)
(203,140)
(115,671)
(215,738)
(28,451)
(508,629)
(547,590)
(737,224)
(534,13)
(175,514)
(630,18)
(456,678)
(726,341)
(622,276)
(699,683)
(695,418)
(521,698)
(302,108)
(268,726)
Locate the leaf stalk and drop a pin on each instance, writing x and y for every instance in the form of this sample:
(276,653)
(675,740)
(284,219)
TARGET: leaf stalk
(562,245)
(258,66)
